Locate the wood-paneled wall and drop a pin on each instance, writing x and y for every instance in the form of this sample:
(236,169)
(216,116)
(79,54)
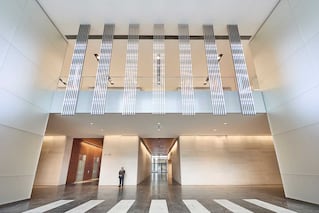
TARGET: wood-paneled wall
(92,148)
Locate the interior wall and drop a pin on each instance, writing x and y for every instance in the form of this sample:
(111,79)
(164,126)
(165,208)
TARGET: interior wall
(119,151)
(286,58)
(144,163)
(174,161)
(31,57)
(231,160)
(54,160)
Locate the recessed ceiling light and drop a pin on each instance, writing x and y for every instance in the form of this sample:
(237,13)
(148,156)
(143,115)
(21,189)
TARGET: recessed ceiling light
(214,130)
(225,123)
(91,123)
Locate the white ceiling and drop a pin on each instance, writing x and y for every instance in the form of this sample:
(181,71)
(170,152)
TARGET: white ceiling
(146,125)
(67,15)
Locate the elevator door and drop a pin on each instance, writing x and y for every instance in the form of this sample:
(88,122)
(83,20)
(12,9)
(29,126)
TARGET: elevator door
(81,167)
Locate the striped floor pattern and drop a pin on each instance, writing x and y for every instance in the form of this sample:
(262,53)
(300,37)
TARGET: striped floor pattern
(160,206)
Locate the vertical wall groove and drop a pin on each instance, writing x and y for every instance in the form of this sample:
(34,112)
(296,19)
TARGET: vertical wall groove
(74,79)
(103,70)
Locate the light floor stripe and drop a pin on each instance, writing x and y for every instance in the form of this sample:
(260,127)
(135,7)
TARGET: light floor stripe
(122,206)
(269,206)
(232,206)
(195,207)
(85,206)
(48,206)
(158,206)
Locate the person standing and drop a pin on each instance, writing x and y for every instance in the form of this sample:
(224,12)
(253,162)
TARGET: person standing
(121,176)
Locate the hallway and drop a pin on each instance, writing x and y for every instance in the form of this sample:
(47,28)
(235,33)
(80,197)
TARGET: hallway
(156,195)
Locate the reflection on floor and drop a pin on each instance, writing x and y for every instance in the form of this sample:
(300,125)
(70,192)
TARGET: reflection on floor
(156,195)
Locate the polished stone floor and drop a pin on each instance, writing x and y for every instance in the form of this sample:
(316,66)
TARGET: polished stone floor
(144,197)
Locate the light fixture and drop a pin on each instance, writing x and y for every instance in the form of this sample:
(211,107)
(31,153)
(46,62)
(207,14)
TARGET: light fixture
(131,65)
(91,123)
(110,80)
(97,56)
(225,123)
(219,57)
(74,80)
(185,61)
(214,76)
(103,70)
(63,82)
(244,89)
(158,96)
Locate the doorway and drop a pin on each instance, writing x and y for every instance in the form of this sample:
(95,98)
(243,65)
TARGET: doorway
(159,164)
(159,149)
(159,170)
(85,160)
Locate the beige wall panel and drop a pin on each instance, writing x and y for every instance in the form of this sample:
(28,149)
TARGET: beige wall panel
(54,158)
(232,160)
(119,151)
(144,163)
(174,157)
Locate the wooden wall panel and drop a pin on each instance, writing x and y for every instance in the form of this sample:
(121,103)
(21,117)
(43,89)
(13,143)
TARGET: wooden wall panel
(91,148)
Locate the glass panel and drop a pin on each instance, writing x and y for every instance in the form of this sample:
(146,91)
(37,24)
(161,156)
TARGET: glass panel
(159,164)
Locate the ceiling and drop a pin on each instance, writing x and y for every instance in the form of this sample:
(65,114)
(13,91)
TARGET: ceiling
(157,131)
(156,126)
(248,14)
(159,146)
(68,15)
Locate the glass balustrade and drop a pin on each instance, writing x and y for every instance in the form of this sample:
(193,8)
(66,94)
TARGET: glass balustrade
(146,83)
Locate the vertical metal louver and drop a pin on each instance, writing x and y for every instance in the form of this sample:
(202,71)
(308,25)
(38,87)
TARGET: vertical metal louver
(214,76)
(74,79)
(243,84)
(185,60)
(103,70)
(130,81)
(159,69)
